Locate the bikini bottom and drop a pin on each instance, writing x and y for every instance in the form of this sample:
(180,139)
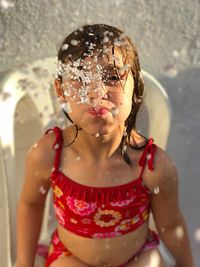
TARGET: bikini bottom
(57,249)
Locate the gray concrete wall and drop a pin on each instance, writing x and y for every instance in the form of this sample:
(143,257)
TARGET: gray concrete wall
(168,39)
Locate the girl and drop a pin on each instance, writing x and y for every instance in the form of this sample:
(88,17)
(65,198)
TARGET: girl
(105,177)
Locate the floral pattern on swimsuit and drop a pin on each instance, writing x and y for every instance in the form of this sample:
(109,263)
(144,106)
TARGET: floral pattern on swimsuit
(99,212)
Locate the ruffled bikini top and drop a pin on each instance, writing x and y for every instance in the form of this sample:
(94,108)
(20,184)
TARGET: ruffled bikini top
(99,212)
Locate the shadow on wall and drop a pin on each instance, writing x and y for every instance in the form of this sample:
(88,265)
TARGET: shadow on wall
(184,146)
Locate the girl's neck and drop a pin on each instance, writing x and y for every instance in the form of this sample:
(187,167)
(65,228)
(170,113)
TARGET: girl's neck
(99,148)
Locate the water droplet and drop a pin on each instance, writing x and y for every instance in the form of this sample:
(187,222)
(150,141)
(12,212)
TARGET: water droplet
(97,134)
(170,71)
(66,106)
(91,46)
(114,111)
(179,232)
(163,229)
(5,4)
(105,39)
(124,68)
(156,190)
(42,190)
(65,47)
(197,234)
(60,67)
(125,133)
(56,146)
(148,156)
(74,42)
(35,145)
(175,54)
(124,148)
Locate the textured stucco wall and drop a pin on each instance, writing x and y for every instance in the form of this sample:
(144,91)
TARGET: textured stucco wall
(168,39)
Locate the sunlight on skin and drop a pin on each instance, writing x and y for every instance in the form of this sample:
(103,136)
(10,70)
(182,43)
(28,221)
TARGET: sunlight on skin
(154,259)
(179,232)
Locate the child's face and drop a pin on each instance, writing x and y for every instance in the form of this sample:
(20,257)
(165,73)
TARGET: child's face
(98,96)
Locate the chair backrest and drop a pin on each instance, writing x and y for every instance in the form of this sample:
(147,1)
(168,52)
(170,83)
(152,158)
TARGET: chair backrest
(26,117)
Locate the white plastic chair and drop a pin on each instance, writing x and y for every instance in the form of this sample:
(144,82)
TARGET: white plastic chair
(25,117)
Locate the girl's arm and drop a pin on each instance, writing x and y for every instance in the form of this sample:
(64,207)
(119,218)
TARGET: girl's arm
(31,202)
(166,212)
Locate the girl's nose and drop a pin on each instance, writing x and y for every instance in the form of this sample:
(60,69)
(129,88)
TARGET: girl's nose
(98,91)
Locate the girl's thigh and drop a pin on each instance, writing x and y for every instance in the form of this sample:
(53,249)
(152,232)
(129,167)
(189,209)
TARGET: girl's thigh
(69,261)
(150,258)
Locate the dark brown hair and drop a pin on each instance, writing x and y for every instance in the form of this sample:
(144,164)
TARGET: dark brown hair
(103,37)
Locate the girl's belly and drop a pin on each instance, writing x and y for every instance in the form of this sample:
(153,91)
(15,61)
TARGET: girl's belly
(108,251)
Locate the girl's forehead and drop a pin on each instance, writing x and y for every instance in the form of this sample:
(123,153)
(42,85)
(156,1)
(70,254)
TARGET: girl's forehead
(105,61)
(97,63)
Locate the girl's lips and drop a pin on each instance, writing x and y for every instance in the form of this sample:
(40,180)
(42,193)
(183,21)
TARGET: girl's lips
(98,112)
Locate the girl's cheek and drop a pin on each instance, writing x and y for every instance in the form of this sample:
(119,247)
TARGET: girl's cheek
(120,99)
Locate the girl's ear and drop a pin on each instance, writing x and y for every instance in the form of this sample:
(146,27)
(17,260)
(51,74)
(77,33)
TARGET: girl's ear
(58,88)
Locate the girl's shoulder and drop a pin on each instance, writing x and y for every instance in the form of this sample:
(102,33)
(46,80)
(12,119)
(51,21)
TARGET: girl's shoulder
(164,168)
(163,161)
(41,154)
(164,172)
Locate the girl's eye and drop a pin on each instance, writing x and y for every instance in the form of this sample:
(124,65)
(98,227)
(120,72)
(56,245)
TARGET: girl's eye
(113,79)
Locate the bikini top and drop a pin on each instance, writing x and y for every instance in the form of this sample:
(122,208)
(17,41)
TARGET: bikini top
(99,212)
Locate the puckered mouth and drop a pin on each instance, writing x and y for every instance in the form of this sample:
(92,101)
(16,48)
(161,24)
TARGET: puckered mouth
(98,112)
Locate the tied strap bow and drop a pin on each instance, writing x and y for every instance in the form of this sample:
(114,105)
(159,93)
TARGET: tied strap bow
(148,154)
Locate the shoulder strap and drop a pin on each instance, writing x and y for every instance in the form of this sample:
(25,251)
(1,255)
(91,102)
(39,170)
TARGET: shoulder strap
(57,145)
(148,155)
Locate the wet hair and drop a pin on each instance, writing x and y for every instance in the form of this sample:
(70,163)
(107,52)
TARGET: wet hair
(101,38)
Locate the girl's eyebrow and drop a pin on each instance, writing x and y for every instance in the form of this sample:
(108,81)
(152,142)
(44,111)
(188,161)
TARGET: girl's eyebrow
(111,67)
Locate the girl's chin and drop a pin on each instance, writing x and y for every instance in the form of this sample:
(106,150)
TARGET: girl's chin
(99,131)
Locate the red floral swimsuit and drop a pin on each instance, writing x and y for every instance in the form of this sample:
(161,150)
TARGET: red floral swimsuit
(100,212)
